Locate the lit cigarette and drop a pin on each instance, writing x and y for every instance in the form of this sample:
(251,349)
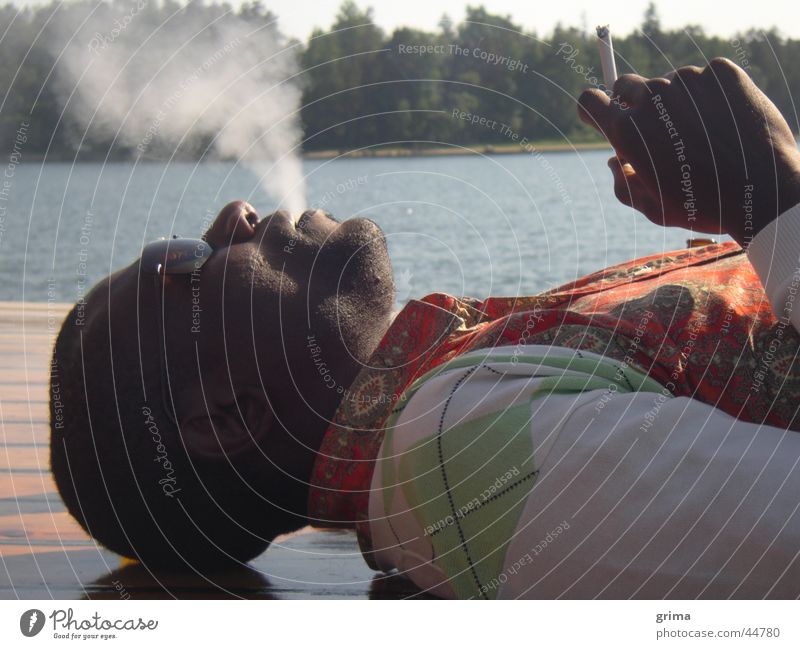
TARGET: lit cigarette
(607,57)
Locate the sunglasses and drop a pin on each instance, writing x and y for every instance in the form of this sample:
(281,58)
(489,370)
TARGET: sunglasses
(175,256)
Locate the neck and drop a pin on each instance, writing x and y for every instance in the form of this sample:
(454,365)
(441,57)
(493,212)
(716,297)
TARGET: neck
(349,366)
(331,395)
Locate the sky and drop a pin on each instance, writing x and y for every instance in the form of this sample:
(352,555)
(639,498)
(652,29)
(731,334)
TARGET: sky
(298,17)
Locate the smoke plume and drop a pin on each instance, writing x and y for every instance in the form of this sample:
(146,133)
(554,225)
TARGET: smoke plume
(213,83)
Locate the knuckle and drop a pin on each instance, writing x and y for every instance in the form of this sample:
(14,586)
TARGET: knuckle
(627,79)
(658,86)
(721,62)
(686,80)
(688,73)
(723,67)
(692,70)
(631,86)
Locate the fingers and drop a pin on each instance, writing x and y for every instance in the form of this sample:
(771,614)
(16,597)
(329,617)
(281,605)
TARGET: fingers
(604,114)
(631,89)
(630,190)
(635,90)
(596,110)
(687,78)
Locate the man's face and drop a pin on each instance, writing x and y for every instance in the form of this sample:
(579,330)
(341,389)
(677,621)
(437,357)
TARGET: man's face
(277,322)
(288,310)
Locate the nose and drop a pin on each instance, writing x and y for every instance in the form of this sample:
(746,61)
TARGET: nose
(235,223)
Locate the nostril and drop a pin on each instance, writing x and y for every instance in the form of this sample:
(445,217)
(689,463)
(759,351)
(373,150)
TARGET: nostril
(235,223)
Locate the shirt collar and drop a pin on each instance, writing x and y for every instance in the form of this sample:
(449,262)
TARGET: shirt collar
(420,337)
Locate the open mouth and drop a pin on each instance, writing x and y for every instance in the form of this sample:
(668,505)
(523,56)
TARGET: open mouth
(302,222)
(306,216)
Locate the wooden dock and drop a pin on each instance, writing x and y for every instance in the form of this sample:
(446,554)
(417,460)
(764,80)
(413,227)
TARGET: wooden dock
(45,554)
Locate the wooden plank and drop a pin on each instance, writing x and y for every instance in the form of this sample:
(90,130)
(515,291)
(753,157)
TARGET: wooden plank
(38,374)
(28,344)
(34,329)
(41,529)
(24,392)
(45,320)
(36,323)
(40,322)
(40,503)
(34,374)
(25,484)
(24,412)
(17,459)
(30,336)
(9,335)
(24,432)
(18,358)
(6,306)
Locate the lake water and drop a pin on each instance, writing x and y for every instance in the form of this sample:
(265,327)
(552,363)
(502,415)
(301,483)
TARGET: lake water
(478,226)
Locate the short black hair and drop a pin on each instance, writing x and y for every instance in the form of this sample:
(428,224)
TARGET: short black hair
(123,470)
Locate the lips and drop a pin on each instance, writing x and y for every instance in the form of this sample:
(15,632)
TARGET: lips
(238,222)
(316,219)
(305,217)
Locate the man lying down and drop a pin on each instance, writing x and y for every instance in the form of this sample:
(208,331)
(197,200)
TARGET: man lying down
(632,434)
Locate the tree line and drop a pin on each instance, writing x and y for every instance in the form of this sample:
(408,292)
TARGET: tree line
(483,79)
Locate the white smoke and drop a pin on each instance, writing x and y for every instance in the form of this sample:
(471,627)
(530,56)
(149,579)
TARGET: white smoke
(185,79)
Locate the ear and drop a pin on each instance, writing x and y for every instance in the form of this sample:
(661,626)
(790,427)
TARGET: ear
(219,426)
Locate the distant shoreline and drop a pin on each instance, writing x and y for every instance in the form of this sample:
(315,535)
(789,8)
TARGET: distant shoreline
(479,149)
(369,152)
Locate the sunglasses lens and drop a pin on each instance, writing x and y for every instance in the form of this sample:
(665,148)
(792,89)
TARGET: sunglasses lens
(175,256)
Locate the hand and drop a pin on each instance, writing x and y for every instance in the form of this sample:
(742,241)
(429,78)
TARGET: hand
(704,150)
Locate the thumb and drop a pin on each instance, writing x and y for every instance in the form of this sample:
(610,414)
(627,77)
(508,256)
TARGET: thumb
(630,189)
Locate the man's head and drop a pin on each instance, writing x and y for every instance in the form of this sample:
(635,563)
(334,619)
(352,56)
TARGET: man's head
(234,363)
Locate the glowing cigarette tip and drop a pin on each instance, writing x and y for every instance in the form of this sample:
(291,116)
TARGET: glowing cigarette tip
(606,47)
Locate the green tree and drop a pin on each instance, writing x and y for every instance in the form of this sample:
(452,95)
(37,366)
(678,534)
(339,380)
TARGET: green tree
(362,87)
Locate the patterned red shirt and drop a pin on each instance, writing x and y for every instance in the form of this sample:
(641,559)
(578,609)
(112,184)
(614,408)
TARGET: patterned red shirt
(698,321)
